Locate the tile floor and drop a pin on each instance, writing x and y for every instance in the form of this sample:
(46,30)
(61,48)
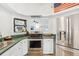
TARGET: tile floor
(65,51)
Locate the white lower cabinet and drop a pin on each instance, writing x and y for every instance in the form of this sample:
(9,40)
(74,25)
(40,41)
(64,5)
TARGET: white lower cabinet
(19,49)
(48,46)
(25,46)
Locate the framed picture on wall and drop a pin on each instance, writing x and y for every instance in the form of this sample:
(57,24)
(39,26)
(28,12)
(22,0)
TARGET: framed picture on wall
(19,25)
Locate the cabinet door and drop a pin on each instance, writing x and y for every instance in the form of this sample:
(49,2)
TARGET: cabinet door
(48,46)
(22,48)
(19,49)
(16,50)
(11,52)
(7,53)
(25,46)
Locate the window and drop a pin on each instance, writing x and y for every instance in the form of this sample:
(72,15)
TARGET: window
(19,25)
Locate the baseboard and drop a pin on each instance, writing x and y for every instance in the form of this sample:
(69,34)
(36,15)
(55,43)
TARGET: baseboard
(49,54)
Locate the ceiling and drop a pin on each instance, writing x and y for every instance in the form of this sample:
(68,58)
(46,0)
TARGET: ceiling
(43,9)
(36,9)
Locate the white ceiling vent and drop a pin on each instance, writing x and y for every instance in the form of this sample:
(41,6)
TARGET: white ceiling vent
(36,16)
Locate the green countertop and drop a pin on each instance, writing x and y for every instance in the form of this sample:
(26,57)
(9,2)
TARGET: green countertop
(14,42)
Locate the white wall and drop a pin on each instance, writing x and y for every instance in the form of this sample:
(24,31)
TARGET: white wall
(49,22)
(6,22)
(31,8)
(52,25)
